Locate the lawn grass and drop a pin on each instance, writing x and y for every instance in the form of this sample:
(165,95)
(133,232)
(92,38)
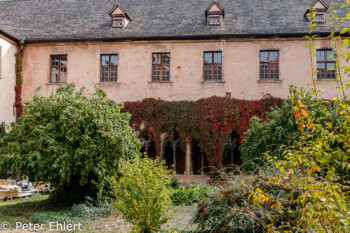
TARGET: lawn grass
(37,209)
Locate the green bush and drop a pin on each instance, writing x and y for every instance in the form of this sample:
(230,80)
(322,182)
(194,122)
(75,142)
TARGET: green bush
(174,183)
(316,168)
(2,129)
(143,193)
(189,195)
(231,210)
(2,134)
(71,141)
(278,131)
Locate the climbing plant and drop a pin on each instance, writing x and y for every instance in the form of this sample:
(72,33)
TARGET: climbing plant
(208,121)
(19,82)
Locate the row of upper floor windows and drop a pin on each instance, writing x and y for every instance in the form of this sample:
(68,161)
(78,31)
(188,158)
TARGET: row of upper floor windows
(212,66)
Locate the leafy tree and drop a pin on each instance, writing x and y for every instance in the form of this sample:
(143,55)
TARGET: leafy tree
(143,193)
(72,141)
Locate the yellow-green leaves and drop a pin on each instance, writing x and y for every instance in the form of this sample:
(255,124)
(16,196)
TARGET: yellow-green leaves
(143,193)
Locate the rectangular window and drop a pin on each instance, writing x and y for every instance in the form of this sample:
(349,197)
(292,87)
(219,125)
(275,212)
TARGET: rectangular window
(58,73)
(212,66)
(109,68)
(160,67)
(269,65)
(214,20)
(118,23)
(320,17)
(325,64)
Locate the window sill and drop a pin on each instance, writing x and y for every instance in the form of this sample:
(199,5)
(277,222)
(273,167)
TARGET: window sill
(212,81)
(270,81)
(169,82)
(56,84)
(327,80)
(108,83)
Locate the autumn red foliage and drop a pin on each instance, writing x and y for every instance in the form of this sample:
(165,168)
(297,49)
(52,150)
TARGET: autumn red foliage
(208,121)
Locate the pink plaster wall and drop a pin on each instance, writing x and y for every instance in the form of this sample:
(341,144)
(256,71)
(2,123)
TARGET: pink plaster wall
(240,68)
(7,80)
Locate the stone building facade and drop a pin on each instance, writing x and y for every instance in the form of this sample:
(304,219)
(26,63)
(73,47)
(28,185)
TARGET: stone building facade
(168,49)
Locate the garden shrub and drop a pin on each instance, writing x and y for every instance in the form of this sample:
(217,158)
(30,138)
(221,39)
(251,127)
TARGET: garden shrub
(174,182)
(278,131)
(71,141)
(2,129)
(189,195)
(143,193)
(268,135)
(2,134)
(316,168)
(232,210)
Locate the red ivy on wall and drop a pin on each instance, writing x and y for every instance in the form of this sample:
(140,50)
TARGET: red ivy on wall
(208,121)
(19,82)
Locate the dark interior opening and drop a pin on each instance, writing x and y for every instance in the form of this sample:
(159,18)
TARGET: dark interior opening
(168,154)
(200,164)
(232,155)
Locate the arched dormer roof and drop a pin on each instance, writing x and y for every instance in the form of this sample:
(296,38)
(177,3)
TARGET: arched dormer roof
(320,4)
(215,8)
(118,10)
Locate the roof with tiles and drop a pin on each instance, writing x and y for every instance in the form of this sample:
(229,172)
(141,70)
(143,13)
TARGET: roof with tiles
(89,19)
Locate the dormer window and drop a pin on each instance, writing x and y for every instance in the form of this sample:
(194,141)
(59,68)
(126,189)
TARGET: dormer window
(320,8)
(120,18)
(214,14)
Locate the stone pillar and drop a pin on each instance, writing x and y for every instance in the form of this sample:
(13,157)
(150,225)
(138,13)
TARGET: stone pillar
(188,159)
(202,164)
(174,156)
(162,151)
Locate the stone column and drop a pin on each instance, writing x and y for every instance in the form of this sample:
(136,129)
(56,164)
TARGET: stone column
(188,158)
(174,156)
(162,151)
(202,164)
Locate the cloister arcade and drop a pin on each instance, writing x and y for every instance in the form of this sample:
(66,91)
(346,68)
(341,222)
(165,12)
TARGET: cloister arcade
(184,156)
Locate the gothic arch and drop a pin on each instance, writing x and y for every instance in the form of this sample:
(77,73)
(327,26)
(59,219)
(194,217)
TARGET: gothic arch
(174,156)
(149,145)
